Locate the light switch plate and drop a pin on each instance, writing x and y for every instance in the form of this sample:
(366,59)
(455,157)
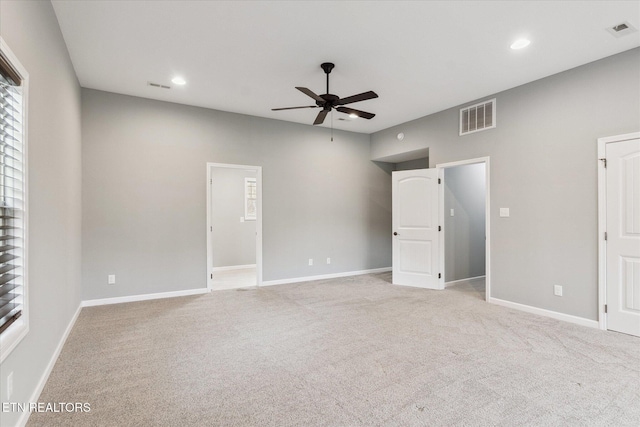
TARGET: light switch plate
(111,279)
(557,290)
(504,212)
(452,212)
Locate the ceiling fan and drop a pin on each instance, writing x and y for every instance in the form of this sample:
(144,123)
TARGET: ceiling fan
(329,101)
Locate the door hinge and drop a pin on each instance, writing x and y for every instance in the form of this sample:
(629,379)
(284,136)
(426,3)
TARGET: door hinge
(605,235)
(604,162)
(212,275)
(211,181)
(439,181)
(439,275)
(439,228)
(605,308)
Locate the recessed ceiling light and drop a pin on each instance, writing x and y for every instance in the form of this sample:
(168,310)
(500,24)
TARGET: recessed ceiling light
(353,116)
(520,43)
(178,80)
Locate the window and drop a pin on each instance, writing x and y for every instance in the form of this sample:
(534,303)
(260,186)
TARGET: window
(13,219)
(250,195)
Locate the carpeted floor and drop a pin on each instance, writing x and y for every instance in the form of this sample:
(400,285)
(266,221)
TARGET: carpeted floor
(345,352)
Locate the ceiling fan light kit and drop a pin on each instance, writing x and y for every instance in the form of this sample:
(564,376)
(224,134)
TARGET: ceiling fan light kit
(329,101)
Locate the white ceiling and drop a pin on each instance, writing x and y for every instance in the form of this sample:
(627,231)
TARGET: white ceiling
(420,57)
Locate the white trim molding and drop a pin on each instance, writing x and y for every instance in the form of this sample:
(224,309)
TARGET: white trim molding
(546,313)
(22,421)
(325,276)
(144,297)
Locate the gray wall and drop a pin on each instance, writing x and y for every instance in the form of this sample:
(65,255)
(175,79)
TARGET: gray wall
(144,194)
(464,192)
(544,168)
(234,242)
(422,163)
(31,31)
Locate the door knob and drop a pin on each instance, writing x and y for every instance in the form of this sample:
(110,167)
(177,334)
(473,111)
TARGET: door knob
(395,233)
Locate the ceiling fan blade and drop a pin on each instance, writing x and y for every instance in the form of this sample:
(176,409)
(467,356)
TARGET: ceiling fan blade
(294,108)
(320,118)
(308,92)
(362,114)
(356,98)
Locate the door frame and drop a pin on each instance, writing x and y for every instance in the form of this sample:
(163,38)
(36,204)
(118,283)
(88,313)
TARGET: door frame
(487,206)
(602,221)
(210,245)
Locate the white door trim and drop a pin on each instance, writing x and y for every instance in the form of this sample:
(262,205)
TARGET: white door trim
(210,249)
(602,222)
(441,167)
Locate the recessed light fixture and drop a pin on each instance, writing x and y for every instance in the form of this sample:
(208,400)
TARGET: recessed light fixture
(178,80)
(520,43)
(353,116)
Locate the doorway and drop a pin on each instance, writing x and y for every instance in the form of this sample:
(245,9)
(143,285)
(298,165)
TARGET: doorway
(234,226)
(464,212)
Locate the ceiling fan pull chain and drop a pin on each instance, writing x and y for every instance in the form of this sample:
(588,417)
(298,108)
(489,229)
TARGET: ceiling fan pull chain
(331,122)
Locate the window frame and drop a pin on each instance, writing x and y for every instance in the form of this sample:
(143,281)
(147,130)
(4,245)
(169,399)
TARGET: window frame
(248,196)
(15,333)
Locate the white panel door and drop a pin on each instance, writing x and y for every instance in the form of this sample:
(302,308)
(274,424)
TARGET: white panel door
(623,236)
(415,228)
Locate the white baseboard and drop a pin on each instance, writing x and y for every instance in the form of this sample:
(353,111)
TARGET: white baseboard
(547,313)
(233,267)
(22,421)
(324,276)
(144,297)
(447,284)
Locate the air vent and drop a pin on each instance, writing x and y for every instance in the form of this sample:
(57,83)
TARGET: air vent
(478,117)
(158,85)
(622,29)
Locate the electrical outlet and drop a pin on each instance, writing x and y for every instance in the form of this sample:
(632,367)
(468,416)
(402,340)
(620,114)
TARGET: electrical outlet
(310,261)
(111,279)
(504,213)
(557,290)
(9,385)
(452,212)
(328,260)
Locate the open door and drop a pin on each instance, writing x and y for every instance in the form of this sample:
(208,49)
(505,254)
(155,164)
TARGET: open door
(623,241)
(415,228)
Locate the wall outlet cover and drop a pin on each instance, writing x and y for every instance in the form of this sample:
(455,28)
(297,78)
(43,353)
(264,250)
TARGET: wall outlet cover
(504,212)
(557,290)
(111,279)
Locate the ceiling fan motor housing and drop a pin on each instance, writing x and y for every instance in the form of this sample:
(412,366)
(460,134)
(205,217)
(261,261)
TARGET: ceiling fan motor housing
(329,101)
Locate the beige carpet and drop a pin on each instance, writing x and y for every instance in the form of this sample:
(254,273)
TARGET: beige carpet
(345,352)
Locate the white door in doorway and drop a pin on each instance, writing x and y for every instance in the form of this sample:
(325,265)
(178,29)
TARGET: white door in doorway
(623,236)
(415,228)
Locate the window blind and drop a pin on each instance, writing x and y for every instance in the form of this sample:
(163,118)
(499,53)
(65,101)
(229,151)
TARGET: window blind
(11,197)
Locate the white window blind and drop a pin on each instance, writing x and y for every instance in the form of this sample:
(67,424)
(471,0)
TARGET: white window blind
(12,196)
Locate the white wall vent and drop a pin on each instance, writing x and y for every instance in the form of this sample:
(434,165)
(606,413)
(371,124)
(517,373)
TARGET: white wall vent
(478,117)
(622,29)
(158,85)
